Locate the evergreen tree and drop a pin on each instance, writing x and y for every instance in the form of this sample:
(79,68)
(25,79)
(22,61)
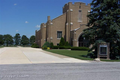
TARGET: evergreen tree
(104,23)
(62,42)
(17,39)
(51,45)
(67,44)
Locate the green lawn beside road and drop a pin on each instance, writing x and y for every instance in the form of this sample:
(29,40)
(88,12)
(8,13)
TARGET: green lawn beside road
(77,54)
(110,60)
(74,54)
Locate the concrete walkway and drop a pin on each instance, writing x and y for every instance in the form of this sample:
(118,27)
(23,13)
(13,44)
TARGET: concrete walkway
(27,55)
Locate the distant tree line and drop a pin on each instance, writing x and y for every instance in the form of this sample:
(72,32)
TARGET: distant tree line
(8,40)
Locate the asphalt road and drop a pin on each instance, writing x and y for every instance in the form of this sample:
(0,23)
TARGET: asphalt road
(61,71)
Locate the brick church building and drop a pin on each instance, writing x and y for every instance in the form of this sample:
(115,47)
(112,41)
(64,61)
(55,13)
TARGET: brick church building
(69,25)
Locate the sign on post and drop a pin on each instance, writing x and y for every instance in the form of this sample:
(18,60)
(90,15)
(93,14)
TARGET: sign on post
(103,50)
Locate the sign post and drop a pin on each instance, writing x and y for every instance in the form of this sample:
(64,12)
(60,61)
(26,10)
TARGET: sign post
(103,50)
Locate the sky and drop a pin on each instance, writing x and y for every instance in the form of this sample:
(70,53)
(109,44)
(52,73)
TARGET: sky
(25,16)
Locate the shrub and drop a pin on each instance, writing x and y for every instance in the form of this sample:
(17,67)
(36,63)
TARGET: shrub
(80,48)
(48,47)
(67,47)
(45,47)
(90,55)
(51,45)
(74,48)
(62,42)
(55,47)
(117,57)
(61,47)
(64,47)
(46,44)
(67,44)
(34,45)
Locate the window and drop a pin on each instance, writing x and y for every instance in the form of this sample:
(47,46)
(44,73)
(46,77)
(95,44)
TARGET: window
(80,15)
(59,34)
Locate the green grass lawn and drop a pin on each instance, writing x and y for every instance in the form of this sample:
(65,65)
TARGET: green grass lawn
(110,60)
(74,54)
(77,54)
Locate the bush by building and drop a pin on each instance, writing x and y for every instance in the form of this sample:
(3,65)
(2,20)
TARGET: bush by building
(46,44)
(64,47)
(55,47)
(67,44)
(62,42)
(35,45)
(51,45)
(45,47)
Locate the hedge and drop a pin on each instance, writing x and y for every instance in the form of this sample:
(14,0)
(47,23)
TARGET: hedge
(45,47)
(64,47)
(35,45)
(55,47)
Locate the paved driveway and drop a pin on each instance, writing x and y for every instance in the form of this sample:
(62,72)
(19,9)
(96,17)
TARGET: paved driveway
(27,55)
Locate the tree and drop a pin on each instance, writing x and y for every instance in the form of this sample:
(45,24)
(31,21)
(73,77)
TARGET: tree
(51,45)
(17,39)
(62,42)
(104,23)
(67,44)
(32,39)
(24,40)
(8,39)
(1,39)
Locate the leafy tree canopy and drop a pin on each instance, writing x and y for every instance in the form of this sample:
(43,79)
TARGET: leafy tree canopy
(24,40)
(32,39)
(8,39)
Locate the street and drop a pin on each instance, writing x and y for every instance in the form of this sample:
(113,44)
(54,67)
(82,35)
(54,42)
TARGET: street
(61,71)
(25,63)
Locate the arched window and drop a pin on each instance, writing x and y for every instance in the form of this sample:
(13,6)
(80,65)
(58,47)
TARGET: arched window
(83,42)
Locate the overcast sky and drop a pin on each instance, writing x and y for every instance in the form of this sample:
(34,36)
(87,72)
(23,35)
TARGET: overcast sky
(25,16)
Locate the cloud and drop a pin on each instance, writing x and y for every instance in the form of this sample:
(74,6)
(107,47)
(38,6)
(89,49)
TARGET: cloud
(38,26)
(15,4)
(16,30)
(26,21)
